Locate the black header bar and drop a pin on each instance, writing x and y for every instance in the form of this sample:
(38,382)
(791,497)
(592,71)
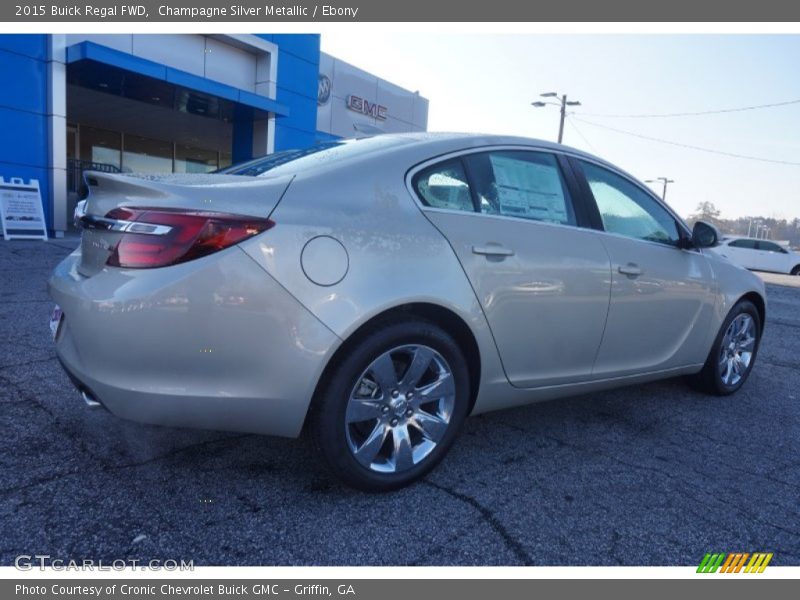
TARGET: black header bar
(259,11)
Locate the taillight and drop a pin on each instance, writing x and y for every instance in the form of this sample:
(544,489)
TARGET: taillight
(158,237)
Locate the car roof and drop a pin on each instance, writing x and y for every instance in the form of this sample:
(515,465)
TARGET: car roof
(437,138)
(420,146)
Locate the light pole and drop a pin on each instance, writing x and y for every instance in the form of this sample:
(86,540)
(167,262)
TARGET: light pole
(563,103)
(663,180)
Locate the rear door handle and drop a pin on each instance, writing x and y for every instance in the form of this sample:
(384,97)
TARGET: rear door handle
(492,250)
(631,269)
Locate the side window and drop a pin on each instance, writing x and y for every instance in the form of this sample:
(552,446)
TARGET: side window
(769,246)
(746,244)
(523,184)
(445,186)
(628,210)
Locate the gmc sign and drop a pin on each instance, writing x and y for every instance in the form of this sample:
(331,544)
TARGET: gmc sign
(365,107)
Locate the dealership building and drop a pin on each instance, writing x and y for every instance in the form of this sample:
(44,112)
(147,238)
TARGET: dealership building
(177,104)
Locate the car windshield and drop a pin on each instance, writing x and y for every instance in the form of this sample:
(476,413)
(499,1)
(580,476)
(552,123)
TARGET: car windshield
(292,161)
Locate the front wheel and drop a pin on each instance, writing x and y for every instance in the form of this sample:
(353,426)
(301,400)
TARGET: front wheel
(796,270)
(393,407)
(734,352)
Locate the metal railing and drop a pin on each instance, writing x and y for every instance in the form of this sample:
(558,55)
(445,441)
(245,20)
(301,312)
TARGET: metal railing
(75,170)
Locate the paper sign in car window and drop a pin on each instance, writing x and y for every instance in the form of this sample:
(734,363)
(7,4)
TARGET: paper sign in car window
(529,190)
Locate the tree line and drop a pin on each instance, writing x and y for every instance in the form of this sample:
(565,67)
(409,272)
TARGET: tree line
(783,230)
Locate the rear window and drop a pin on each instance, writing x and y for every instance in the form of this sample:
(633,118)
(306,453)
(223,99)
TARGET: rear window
(293,161)
(262,164)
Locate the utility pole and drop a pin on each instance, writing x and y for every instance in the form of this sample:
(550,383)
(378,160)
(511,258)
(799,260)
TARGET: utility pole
(665,181)
(562,103)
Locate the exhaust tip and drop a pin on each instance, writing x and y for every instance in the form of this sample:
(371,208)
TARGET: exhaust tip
(90,401)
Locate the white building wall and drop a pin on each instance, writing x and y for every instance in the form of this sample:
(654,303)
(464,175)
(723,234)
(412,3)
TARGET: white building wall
(401,109)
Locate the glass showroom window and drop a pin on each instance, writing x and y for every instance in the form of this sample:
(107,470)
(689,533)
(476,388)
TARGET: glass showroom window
(194,160)
(144,155)
(100,146)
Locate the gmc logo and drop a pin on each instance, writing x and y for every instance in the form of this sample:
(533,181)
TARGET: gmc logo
(365,107)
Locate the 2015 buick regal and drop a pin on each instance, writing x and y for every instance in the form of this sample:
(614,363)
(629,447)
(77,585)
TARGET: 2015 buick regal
(377,291)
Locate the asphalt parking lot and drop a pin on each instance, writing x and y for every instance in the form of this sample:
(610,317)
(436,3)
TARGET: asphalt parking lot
(649,475)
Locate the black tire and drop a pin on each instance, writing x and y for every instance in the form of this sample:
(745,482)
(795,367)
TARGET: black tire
(710,379)
(331,433)
(796,270)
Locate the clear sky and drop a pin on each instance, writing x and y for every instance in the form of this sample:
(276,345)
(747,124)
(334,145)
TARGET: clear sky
(486,82)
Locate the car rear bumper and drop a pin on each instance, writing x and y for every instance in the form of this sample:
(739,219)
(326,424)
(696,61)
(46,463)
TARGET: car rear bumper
(214,343)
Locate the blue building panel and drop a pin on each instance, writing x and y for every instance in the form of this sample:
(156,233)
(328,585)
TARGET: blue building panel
(287,138)
(298,75)
(24,81)
(25,138)
(25,147)
(30,45)
(304,110)
(304,46)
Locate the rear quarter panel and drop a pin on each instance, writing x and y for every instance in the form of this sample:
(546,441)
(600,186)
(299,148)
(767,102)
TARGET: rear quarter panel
(395,255)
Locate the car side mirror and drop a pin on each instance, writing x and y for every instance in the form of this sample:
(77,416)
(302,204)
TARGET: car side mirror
(704,235)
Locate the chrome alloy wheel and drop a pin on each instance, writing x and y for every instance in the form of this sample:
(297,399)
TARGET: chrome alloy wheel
(400,408)
(737,349)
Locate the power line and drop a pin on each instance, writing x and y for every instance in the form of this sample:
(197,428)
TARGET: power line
(583,137)
(690,146)
(691,114)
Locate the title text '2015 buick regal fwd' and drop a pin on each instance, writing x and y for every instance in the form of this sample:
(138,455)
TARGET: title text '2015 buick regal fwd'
(375,292)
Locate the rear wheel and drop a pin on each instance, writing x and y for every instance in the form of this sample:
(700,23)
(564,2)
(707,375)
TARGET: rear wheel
(796,270)
(393,407)
(734,352)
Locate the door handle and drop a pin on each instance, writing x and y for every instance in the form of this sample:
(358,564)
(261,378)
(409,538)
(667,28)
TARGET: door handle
(492,250)
(631,269)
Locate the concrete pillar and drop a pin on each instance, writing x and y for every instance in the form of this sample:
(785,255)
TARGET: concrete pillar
(57,132)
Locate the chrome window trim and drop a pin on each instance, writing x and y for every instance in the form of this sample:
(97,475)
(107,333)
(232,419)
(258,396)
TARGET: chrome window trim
(411,173)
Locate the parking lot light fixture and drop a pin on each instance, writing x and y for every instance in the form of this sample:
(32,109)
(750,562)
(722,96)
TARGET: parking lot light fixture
(665,181)
(563,103)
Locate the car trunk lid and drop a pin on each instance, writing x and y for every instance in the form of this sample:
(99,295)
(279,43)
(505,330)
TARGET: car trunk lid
(228,194)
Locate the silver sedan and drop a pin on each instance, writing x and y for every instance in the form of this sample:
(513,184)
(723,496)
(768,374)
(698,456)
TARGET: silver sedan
(375,292)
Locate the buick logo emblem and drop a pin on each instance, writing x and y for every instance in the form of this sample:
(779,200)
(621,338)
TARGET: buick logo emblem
(323,90)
